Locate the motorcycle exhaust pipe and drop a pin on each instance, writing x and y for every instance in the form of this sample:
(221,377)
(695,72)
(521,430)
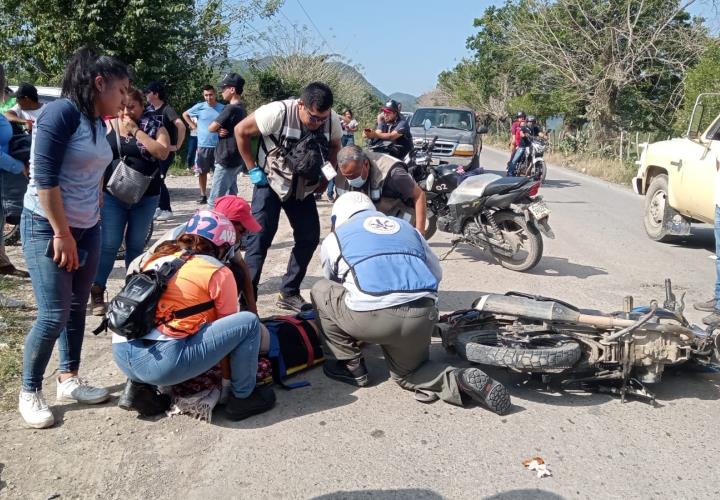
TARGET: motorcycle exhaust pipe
(545,311)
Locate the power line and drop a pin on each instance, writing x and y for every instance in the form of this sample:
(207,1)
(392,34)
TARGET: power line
(313,23)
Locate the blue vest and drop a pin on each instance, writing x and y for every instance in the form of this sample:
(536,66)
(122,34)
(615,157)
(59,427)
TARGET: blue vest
(385,254)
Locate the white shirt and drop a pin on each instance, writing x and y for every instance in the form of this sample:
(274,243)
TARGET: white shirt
(717,180)
(356,300)
(26,114)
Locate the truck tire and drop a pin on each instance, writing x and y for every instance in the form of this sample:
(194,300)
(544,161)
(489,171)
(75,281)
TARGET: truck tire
(484,348)
(657,210)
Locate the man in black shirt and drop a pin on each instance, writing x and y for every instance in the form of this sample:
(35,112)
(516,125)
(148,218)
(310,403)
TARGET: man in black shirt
(394,129)
(228,161)
(155,95)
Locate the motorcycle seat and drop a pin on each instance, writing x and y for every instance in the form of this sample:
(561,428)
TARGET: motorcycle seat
(505,184)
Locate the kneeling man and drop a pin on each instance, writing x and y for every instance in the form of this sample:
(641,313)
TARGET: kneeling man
(381,287)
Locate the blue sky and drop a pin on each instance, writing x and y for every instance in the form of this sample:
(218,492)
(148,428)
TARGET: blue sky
(429,35)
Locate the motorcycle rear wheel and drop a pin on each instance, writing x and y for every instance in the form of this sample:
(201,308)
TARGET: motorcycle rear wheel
(541,355)
(515,225)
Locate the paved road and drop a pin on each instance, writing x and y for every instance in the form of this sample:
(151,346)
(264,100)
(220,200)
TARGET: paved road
(330,441)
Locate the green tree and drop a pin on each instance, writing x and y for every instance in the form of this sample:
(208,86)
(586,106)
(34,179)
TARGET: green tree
(701,78)
(177,41)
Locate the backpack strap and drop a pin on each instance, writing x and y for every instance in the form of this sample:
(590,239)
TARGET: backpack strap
(304,335)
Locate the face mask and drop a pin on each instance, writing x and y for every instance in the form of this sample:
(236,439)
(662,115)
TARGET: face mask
(357,182)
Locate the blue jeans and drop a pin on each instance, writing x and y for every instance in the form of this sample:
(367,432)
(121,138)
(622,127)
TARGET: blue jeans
(224,182)
(191,145)
(173,361)
(120,220)
(61,298)
(717,254)
(347,139)
(331,189)
(516,158)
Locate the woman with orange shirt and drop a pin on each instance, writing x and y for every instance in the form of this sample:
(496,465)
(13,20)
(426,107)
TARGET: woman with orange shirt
(182,348)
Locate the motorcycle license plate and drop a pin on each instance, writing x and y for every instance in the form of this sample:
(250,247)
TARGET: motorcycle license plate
(539,209)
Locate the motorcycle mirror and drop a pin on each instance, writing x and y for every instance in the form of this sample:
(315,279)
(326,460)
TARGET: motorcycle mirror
(482,130)
(427,124)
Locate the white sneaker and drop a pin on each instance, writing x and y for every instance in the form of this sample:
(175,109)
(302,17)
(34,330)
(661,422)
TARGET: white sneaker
(77,389)
(157,213)
(34,410)
(164,215)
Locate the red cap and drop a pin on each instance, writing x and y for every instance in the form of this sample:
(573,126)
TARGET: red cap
(237,210)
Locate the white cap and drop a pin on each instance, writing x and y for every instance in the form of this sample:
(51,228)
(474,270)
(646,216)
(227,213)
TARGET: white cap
(349,204)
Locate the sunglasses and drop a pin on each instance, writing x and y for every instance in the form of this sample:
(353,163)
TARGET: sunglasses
(316,118)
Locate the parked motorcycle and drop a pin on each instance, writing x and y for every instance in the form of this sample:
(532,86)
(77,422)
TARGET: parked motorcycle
(616,353)
(533,162)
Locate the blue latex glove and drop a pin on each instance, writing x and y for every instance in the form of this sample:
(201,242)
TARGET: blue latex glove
(257,176)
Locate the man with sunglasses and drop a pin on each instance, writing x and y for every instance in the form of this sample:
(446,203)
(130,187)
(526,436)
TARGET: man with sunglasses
(280,181)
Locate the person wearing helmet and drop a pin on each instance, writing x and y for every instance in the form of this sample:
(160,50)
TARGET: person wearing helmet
(533,126)
(395,129)
(180,348)
(237,210)
(381,287)
(523,136)
(520,115)
(386,180)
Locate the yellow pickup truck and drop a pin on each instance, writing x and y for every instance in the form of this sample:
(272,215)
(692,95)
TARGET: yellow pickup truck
(677,178)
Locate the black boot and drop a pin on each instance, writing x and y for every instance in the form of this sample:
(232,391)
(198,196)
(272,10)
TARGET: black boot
(260,400)
(144,399)
(478,386)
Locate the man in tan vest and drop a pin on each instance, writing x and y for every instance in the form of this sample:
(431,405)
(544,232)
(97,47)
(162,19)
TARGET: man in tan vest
(386,180)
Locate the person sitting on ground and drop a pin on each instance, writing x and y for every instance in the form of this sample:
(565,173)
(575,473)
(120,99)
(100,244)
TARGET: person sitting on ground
(381,287)
(386,180)
(183,348)
(142,143)
(395,129)
(237,210)
(27,106)
(228,162)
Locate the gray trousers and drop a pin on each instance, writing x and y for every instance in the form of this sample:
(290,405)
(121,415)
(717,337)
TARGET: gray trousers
(403,332)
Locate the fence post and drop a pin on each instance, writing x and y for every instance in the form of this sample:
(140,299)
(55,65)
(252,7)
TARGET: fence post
(621,147)
(637,144)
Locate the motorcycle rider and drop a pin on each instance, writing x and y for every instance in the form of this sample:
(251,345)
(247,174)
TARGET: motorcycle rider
(395,129)
(381,286)
(535,129)
(513,132)
(523,140)
(385,180)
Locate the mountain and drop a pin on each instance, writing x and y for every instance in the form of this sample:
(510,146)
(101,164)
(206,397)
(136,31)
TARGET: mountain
(408,101)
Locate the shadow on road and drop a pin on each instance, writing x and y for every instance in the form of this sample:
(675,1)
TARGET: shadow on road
(560,266)
(559,183)
(2,483)
(524,495)
(701,237)
(409,494)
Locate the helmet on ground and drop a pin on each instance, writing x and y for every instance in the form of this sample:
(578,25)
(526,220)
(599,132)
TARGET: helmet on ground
(212,226)
(519,114)
(349,204)
(531,118)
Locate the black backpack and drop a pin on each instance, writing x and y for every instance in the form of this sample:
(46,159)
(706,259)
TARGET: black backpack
(131,313)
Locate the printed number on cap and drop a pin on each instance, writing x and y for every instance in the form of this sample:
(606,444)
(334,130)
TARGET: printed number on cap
(194,226)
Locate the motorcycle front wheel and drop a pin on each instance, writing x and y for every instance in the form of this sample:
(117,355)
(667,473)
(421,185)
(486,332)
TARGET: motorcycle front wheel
(526,241)
(541,171)
(546,354)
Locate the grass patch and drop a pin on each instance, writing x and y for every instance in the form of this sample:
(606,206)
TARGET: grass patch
(14,324)
(179,167)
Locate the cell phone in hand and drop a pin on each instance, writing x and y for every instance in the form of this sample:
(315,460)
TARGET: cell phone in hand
(82,253)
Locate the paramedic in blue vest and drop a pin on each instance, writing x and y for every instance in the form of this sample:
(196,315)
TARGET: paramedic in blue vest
(381,288)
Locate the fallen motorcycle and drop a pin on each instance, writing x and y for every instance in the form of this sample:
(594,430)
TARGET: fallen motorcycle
(616,353)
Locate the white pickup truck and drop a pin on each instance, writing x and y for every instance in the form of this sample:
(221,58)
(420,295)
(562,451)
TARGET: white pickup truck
(677,178)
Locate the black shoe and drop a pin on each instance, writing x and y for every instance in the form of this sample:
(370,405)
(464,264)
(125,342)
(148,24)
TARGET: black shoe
(10,270)
(260,400)
(144,399)
(292,302)
(351,372)
(202,201)
(708,306)
(712,319)
(478,385)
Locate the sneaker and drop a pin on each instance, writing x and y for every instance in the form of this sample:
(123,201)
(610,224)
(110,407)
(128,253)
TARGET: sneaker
(292,302)
(708,306)
(351,372)
(144,399)
(202,200)
(77,389)
(478,386)
(260,400)
(97,300)
(164,215)
(35,410)
(157,213)
(712,319)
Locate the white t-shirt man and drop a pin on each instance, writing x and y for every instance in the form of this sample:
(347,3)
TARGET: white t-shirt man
(26,114)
